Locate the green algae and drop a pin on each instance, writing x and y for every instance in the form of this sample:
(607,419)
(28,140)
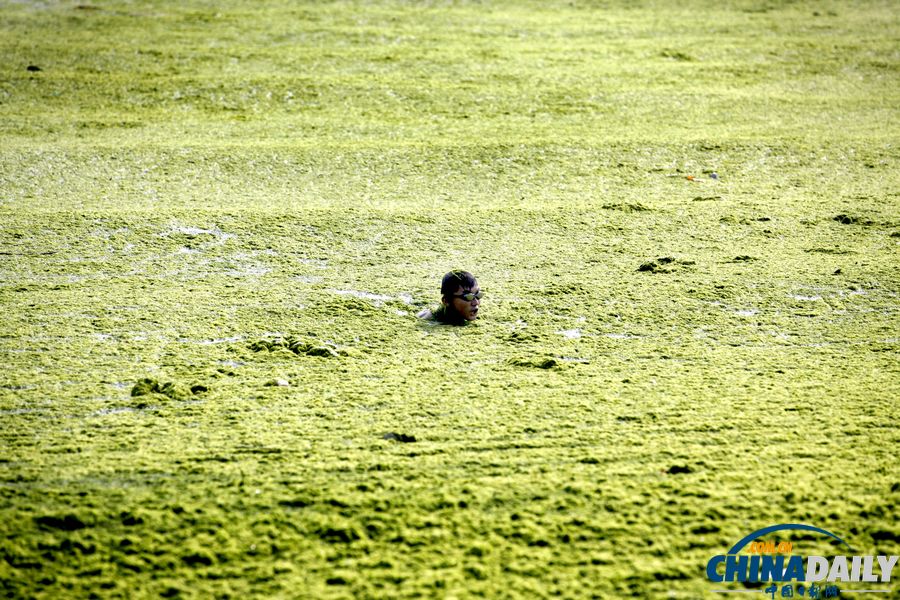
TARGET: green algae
(297,346)
(193,193)
(540,363)
(793,347)
(169,389)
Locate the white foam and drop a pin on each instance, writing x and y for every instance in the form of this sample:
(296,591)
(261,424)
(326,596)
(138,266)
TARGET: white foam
(572,334)
(236,338)
(403,297)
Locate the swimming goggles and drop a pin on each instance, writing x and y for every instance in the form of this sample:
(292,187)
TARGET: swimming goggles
(469,296)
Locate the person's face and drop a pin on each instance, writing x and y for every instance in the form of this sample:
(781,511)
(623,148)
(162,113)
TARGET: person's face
(468,309)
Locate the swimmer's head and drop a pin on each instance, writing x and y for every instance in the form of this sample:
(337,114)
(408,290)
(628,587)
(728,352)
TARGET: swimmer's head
(461,295)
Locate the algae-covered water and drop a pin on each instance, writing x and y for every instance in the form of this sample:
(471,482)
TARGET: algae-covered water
(219,219)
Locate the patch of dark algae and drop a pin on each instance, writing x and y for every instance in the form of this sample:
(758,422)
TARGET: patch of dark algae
(851,220)
(299,347)
(664,264)
(66,523)
(170,389)
(679,469)
(539,363)
(399,437)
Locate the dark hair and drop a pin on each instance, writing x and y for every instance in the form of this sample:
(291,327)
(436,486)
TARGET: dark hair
(456,279)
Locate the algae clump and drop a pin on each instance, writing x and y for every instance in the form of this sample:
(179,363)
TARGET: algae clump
(169,389)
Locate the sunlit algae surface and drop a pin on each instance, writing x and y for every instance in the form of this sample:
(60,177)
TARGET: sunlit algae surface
(218,221)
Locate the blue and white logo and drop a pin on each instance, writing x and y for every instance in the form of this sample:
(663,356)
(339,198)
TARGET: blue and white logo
(755,560)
